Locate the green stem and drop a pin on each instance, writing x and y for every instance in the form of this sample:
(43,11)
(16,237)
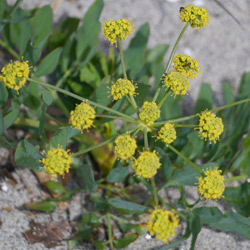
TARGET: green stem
(132,104)
(46,85)
(154,191)
(60,103)
(10,50)
(112,117)
(110,236)
(185,125)
(122,59)
(185,159)
(236,178)
(15,6)
(171,58)
(164,99)
(172,208)
(145,139)
(136,132)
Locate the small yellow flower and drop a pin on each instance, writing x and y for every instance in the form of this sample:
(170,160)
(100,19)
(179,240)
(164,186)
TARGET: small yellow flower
(83,116)
(57,161)
(186,65)
(162,224)
(177,82)
(125,146)
(147,164)
(14,75)
(197,17)
(210,126)
(167,133)
(212,185)
(149,113)
(121,88)
(120,29)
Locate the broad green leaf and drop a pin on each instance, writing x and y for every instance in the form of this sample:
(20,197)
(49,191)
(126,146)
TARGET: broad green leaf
(1,122)
(134,56)
(233,222)
(85,172)
(55,187)
(228,95)
(125,241)
(208,214)
(117,174)
(33,100)
(166,167)
(62,32)
(42,206)
(87,35)
(28,155)
(49,63)
(238,197)
(126,207)
(134,228)
(90,75)
(62,136)
(10,118)
(3,94)
(244,87)
(205,100)
(42,24)
(156,54)
(188,175)
(47,97)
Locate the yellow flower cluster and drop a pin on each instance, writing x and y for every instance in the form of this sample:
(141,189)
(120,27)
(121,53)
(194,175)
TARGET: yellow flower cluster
(120,29)
(212,185)
(196,16)
(147,164)
(162,224)
(177,82)
(210,126)
(125,146)
(14,75)
(57,161)
(186,65)
(82,117)
(167,133)
(121,88)
(149,113)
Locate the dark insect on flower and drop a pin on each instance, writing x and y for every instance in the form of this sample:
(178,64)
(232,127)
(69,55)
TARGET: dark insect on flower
(163,77)
(170,219)
(188,64)
(181,9)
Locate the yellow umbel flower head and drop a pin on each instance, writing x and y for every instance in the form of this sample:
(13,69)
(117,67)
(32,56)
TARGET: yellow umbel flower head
(125,146)
(197,17)
(57,161)
(83,116)
(177,82)
(149,113)
(212,185)
(210,126)
(147,164)
(121,88)
(186,65)
(162,224)
(167,133)
(120,29)
(14,75)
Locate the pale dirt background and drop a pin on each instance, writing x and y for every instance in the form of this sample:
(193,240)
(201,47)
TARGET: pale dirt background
(223,52)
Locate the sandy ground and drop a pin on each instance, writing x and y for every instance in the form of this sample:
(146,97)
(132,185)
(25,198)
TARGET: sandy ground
(222,50)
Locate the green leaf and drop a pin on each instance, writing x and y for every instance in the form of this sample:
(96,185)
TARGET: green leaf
(134,228)
(42,24)
(208,214)
(117,174)
(125,241)
(232,222)
(42,206)
(100,245)
(1,122)
(195,226)
(87,35)
(85,172)
(205,100)
(126,207)
(134,56)
(156,54)
(239,198)
(3,94)
(90,75)
(188,175)
(166,167)
(62,136)
(49,63)
(47,97)
(10,118)
(28,156)
(55,187)
(244,87)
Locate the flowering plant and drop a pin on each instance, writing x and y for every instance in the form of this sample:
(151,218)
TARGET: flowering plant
(155,145)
